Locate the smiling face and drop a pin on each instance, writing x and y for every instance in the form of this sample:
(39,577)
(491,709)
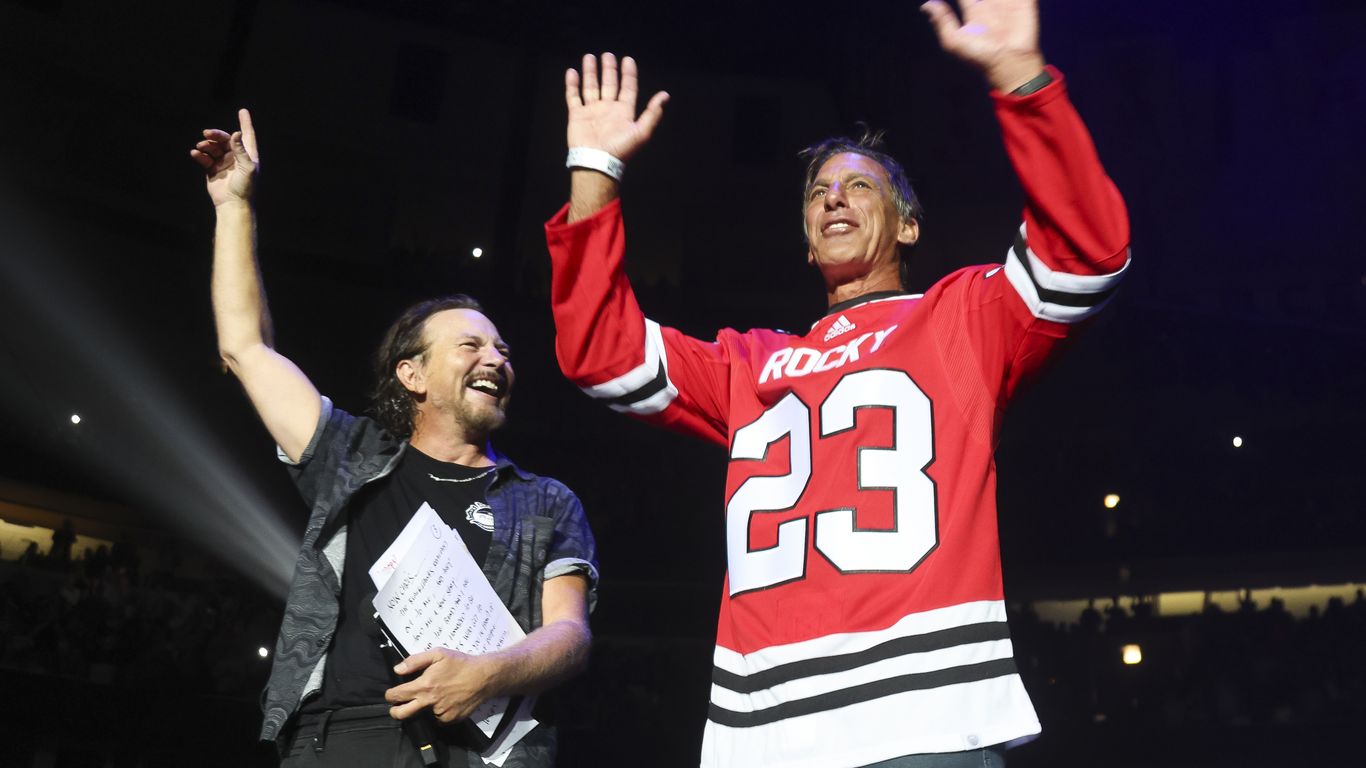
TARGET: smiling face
(852,225)
(463,374)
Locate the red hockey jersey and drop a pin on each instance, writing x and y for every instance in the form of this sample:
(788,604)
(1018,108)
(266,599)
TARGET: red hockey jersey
(863,616)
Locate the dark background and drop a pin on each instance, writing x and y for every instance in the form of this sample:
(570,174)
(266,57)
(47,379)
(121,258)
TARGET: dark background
(398,136)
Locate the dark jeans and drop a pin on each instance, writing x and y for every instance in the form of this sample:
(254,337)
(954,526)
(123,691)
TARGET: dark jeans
(991,757)
(358,737)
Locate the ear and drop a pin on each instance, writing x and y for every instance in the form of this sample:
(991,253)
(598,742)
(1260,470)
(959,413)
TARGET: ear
(409,374)
(908,233)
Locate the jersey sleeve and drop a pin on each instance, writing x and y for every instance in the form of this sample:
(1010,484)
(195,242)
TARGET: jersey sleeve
(1073,246)
(608,348)
(1068,258)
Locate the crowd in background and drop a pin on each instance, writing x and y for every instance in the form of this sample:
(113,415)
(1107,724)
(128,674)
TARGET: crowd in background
(98,618)
(98,622)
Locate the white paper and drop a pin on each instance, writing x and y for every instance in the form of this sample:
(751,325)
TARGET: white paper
(432,594)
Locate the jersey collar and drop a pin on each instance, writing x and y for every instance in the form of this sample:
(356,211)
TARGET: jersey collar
(864,299)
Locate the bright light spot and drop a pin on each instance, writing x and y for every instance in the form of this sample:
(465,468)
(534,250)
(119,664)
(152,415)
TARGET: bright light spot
(262,652)
(1111,500)
(1132,654)
(1237,442)
(477,252)
(75,418)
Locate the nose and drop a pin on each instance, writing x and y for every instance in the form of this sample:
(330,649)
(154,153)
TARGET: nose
(494,358)
(834,197)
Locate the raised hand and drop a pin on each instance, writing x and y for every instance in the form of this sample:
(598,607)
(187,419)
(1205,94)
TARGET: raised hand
(999,37)
(230,162)
(602,113)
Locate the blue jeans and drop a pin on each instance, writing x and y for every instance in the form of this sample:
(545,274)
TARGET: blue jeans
(991,757)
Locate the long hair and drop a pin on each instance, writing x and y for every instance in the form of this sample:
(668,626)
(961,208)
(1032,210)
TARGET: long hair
(391,403)
(870,145)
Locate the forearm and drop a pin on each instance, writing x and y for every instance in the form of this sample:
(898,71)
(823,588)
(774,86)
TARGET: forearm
(239,304)
(1075,217)
(600,330)
(548,656)
(590,192)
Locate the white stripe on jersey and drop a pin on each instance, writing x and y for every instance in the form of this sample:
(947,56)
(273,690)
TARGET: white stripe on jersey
(907,723)
(864,724)
(1073,297)
(633,389)
(954,717)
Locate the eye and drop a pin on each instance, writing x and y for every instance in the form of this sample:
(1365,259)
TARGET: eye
(817,193)
(861,184)
(470,344)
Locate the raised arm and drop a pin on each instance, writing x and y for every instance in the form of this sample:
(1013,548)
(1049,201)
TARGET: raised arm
(284,398)
(1072,248)
(602,116)
(1074,220)
(604,344)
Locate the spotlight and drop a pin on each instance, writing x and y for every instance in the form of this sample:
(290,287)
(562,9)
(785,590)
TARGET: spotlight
(1111,500)
(477,252)
(1132,654)
(1237,442)
(262,652)
(75,418)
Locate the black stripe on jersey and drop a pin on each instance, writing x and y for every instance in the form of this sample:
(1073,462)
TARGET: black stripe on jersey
(931,641)
(857,694)
(1060,298)
(645,392)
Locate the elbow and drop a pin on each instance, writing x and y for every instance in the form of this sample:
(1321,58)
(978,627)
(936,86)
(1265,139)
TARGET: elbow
(579,650)
(234,355)
(585,650)
(231,355)
(229,361)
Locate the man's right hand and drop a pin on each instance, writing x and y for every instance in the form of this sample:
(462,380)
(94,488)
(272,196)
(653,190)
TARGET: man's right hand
(230,162)
(602,115)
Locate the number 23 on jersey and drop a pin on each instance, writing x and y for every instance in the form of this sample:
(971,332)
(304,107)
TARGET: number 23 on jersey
(899,468)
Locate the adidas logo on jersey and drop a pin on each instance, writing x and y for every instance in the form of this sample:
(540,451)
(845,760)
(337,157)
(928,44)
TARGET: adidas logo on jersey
(842,325)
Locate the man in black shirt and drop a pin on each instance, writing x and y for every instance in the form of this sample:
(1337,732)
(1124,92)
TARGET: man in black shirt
(444,378)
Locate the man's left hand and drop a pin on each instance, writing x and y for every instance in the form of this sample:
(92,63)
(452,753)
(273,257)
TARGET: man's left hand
(999,37)
(452,684)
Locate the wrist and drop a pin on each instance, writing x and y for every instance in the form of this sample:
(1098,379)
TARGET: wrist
(594,159)
(1014,72)
(1034,84)
(235,205)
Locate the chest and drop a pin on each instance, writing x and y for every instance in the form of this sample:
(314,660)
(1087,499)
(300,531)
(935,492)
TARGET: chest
(889,335)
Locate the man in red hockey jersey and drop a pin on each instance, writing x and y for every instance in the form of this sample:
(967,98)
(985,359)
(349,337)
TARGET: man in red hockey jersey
(862,620)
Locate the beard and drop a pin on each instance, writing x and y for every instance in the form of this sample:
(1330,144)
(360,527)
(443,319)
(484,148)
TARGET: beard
(480,418)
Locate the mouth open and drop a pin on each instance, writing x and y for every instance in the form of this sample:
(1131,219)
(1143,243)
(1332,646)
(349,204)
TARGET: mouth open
(493,387)
(836,227)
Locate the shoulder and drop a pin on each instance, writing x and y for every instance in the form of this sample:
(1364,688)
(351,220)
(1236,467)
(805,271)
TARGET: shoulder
(548,489)
(977,284)
(343,433)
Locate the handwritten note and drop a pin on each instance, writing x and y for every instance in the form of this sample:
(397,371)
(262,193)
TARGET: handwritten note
(432,594)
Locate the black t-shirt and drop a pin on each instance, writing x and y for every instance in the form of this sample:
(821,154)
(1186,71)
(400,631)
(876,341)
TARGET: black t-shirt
(357,673)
